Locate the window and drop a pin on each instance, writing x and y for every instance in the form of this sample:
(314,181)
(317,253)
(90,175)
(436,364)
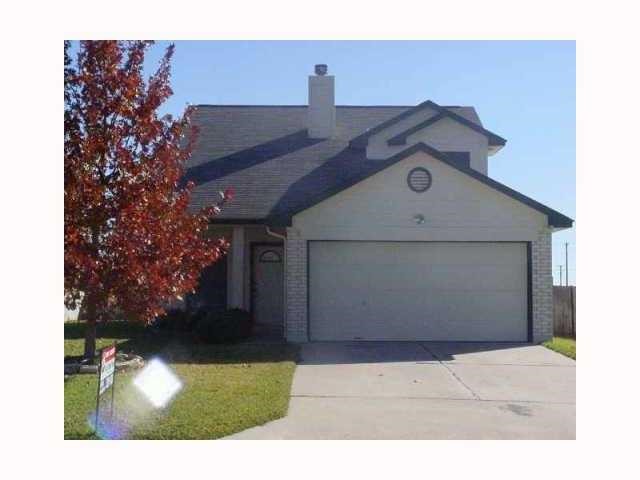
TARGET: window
(270,256)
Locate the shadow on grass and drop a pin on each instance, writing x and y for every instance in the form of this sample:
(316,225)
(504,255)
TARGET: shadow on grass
(177,348)
(75,330)
(182,350)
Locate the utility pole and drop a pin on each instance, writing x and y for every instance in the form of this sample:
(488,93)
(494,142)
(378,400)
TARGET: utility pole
(560,282)
(566,263)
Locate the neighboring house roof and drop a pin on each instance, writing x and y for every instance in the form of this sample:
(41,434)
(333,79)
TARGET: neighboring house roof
(361,140)
(266,156)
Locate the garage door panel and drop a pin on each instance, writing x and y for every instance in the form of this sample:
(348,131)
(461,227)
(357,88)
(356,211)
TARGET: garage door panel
(447,303)
(417,291)
(462,277)
(441,277)
(453,253)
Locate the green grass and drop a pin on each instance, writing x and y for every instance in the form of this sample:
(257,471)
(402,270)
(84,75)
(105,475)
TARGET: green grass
(565,346)
(227,388)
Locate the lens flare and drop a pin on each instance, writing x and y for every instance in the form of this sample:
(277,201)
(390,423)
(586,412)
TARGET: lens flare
(107,428)
(157,383)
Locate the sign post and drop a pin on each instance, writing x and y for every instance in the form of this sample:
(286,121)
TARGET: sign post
(106,378)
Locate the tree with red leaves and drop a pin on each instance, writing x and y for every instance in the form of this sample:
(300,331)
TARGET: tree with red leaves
(130,243)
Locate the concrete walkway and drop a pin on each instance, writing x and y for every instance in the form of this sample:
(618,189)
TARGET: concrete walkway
(406,390)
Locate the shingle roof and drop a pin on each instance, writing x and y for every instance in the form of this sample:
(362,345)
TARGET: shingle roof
(276,170)
(263,152)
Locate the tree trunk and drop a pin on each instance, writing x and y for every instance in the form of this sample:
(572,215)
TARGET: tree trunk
(90,331)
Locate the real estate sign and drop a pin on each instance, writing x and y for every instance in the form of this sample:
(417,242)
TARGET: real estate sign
(107,368)
(106,377)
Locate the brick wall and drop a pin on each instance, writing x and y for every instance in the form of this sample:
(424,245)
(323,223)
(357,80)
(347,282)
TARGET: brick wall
(296,287)
(542,287)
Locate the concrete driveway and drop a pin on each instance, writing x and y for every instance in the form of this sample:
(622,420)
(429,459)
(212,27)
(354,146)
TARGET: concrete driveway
(406,390)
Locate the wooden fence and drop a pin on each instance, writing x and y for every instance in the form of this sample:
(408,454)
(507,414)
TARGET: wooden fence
(564,311)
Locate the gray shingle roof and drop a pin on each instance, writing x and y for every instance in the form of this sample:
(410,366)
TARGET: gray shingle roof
(264,154)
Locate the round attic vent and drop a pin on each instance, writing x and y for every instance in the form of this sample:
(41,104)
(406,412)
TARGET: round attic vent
(419,179)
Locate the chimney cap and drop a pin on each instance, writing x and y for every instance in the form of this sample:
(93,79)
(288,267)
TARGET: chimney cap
(321,69)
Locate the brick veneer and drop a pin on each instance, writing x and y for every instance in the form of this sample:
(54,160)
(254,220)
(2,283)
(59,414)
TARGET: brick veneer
(542,287)
(296,287)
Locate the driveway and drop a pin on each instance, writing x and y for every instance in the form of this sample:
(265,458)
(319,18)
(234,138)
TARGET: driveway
(407,390)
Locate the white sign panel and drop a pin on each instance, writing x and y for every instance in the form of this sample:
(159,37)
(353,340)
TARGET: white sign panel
(105,383)
(108,367)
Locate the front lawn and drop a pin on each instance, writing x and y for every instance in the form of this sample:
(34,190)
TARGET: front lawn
(565,346)
(227,388)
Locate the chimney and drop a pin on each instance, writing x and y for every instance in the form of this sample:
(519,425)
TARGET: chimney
(321,114)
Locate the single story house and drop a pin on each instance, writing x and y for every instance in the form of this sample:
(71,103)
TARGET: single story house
(371,223)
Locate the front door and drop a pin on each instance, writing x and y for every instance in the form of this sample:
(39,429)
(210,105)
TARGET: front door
(267,292)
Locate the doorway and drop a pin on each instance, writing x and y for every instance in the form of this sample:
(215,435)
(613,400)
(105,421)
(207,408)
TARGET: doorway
(267,292)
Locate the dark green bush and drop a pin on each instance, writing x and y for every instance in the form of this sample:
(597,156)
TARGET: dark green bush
(176,320)
(224,327)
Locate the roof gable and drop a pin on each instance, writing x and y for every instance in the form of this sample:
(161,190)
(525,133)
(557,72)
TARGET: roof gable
(554,218)
(361,140)
(401,138)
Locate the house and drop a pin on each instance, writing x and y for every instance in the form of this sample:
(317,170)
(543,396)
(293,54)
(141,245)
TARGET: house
(371,223)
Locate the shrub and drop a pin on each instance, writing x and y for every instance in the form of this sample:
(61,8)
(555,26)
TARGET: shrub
(176,320)
(224,327)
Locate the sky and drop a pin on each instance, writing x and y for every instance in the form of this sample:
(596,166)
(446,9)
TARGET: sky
(523,91)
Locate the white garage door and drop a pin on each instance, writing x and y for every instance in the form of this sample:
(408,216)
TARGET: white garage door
(417,291)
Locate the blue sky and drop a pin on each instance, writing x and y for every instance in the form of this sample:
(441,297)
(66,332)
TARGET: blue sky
(523,91)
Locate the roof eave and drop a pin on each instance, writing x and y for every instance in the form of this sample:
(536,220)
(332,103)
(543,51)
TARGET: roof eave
(493,149)
(559,221)
(279,220)
(236,221)
(271,221)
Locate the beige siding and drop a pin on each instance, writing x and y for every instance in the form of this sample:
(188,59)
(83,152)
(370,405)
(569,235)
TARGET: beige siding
(446,135)
(456,207)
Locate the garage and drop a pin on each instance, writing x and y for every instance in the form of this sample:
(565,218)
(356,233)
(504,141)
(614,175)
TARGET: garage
(438,291)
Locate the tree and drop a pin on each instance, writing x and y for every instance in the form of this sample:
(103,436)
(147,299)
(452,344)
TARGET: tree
(130,243)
